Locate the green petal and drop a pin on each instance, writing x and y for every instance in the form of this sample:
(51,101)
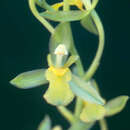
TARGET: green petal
(62,35)
(85,90)
(71,60)
(58,92)
(89,25)
(30,79)
(49,60)
(116,105)
(64,16)
(45,124)
(92,112)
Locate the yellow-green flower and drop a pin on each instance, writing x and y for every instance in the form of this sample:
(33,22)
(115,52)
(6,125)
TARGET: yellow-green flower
(92,112)
(58,76)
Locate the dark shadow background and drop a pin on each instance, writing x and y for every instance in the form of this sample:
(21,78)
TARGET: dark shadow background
(24,47)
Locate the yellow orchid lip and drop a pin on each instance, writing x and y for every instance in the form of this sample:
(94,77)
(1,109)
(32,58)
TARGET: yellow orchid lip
(58,71)
(58,92)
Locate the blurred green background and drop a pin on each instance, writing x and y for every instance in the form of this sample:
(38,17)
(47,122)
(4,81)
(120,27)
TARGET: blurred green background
(24,47)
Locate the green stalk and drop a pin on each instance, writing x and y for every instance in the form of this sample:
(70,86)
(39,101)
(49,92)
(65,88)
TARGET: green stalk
(93,67)
(41,19)
(67,114)
(103,124)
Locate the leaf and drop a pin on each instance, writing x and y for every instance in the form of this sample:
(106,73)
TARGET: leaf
(116,105)
(85,90)
(30,79)
(45,124)
(62,35)
(64,16)
(89,25)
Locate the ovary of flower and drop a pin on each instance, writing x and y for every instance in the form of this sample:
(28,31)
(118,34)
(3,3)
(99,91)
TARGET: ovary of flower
(77,3)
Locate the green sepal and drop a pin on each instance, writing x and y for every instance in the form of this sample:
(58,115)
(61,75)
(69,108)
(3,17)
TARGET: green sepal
(64,16)
(61,35)
(30,79)
(116,105)
(45,124)
(72,59)
(85,90)
(79,125)
(89,25)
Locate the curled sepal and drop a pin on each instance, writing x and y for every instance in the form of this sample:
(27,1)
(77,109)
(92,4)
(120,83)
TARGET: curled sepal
(57,128)
(64,16)
(45,124)
(58,92)
(92,112)
(116,105)
(89,25)
(30,79)
(85,90)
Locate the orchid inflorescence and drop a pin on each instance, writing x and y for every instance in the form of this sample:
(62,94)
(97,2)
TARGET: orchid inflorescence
(65,84)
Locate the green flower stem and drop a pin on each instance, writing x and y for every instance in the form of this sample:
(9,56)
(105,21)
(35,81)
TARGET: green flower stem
(93,67)
(41,19)
(103,124)
(67,114)
(78,106)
